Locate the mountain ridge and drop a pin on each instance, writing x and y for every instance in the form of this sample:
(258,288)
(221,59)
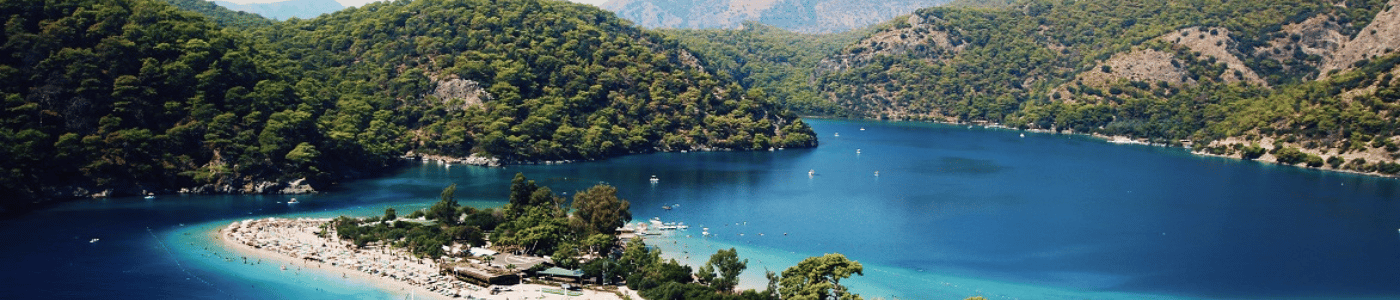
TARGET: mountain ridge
(806,16)
(283,10)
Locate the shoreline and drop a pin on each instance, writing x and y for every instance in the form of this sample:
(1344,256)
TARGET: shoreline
(222,235)
(293,236)
(1126,140)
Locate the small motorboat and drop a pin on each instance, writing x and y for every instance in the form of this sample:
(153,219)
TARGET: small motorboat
(149,197)
(654,179)
(811,172)
(293,201)
(94,240)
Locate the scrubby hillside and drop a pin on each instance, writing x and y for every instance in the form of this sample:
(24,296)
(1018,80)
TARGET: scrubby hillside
(1308,78)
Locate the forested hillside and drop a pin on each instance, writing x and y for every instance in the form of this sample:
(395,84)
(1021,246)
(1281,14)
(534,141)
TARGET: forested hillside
(526,80)
(136,96)
(118,97)
(1297,82)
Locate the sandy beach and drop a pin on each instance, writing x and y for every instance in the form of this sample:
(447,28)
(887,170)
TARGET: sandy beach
(293,244)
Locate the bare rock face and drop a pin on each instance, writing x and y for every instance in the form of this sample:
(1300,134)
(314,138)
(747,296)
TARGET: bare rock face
(922,37)
(1380,37)
(1319,36)
(298,186)
(459,94)
(1215,42)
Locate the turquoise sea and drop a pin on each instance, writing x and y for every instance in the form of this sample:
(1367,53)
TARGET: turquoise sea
(954,212)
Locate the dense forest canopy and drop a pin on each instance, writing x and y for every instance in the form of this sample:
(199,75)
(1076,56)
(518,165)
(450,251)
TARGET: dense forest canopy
(566,81)
(135,96)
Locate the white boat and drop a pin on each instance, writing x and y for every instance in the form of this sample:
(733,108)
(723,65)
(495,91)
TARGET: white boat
(94,240)
(293,201)
(654,179)
(877,173)
(857,151)
(150,197)
(811,172)
(837,134)
(1023,135)
(862,129)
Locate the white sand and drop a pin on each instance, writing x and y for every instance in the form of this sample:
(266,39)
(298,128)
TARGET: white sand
(287,241)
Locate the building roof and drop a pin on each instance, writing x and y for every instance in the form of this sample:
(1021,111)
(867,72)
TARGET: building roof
(477,251)
(557,271)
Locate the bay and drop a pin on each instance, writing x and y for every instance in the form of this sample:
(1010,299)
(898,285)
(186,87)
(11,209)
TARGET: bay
(954,212)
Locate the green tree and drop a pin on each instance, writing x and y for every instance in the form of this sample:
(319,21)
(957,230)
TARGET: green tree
(445,210)
(817,278)
(728,266)
(1290,156)
(600,211)
(390,214)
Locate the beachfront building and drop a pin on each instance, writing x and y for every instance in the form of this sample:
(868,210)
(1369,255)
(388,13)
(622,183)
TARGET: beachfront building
(555,273)
(470,273)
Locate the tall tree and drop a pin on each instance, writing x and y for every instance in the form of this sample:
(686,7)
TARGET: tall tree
(817,278)
(445,210)
(600,211)
(727,263)
(521,190)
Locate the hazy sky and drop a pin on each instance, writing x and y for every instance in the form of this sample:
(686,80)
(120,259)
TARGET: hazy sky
(358,3)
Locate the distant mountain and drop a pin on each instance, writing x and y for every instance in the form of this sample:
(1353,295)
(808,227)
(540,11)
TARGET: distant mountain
(304,9)
(1298,82)
(223,16)
(808,16)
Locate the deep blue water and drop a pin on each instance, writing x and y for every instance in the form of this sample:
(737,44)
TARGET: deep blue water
(954,212)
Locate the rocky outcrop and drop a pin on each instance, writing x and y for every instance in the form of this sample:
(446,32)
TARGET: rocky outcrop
(459,94)
(1215,42)
(298,186)
(921,37)
(474,159)
(1380,37)
(1308,41)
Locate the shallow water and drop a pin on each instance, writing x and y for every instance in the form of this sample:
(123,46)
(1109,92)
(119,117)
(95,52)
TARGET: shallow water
(954,212)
